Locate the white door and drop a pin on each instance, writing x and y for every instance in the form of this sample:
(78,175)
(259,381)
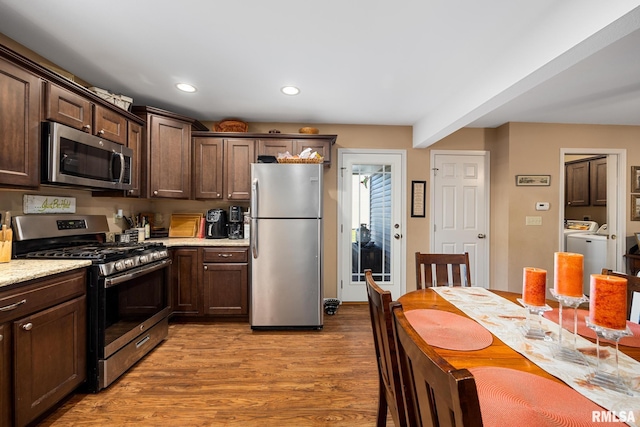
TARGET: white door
(371,208)
(460,208)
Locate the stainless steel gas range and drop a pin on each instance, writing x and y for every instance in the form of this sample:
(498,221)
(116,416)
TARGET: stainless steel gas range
(127,293)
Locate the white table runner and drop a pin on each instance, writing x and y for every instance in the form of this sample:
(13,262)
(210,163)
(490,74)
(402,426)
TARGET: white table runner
(504,318)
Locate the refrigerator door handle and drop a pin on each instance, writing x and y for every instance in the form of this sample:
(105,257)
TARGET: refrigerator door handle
(254,214)
(254,238)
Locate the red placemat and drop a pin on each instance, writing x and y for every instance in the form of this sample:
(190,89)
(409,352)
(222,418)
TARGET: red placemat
(585,331)
(449,330)
(514,398)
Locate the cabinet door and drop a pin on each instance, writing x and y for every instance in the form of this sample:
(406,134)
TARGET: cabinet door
(323,148)
(225,289)
(135,141)
(110,125)
(238,156)
(207,168)
(577,185)
(598,178)
(50,357)
(5,375)
(19,126)
(184,282)
(272,147)
(170,158)
(65,107)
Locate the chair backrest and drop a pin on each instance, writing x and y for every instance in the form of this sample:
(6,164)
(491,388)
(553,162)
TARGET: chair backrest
(633,285)
(390,386)
(436,394)
(442,270)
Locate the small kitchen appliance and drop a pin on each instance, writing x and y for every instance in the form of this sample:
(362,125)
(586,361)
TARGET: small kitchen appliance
(236,223)
(216,227)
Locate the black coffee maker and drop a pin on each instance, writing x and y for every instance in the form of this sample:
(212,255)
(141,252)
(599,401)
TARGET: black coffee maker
(216,227)
(236,223)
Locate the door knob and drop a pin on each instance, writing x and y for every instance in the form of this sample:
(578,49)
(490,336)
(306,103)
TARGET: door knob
(614,237)
(397,235)
(481,236)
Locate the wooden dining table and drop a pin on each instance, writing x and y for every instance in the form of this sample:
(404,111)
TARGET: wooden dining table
(498,353)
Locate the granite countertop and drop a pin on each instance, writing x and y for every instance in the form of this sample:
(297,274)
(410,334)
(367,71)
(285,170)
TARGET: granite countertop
(171,242)
(21,270)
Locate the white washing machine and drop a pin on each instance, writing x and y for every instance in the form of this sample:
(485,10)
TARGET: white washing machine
(594,249)
(574,226)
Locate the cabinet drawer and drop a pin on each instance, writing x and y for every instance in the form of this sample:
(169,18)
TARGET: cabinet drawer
(225,255)
(110,125)
(41,294)
(68,108)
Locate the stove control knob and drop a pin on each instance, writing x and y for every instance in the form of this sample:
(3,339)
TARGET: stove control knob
(119,265)
(144,259)
(129,263)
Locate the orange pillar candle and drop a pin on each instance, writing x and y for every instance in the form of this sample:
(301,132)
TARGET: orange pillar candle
(608,301)
(534,286)
(568,274)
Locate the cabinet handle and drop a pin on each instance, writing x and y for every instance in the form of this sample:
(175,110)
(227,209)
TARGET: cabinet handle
(205,267)
(13,306)
(1,338)
(155,193)
(229,196)
(225,255)
(27,326)
(101,132)
(86,128)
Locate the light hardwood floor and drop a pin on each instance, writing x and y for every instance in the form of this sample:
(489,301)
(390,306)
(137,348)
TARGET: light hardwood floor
(224,374)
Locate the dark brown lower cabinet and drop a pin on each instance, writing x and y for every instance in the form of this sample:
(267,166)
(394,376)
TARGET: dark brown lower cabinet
(185,299)
(43,345)
(5,376)
(210,282)
(50,357)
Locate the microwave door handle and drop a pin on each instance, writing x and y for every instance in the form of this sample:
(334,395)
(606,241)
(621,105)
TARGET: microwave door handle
(121,177)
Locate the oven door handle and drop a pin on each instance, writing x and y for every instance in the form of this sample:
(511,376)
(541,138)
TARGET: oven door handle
(112,281)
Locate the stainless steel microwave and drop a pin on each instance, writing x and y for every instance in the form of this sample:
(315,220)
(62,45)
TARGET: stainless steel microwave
(73,157)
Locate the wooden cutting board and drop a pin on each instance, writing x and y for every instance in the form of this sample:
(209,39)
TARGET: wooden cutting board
(184,224)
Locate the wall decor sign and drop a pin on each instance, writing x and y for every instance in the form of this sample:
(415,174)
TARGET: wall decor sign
(48,204)
(418,193)
(533,180)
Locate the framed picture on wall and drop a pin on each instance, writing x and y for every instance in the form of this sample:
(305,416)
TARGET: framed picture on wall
(635,207)
(418,193)
(533,180)
(635,179)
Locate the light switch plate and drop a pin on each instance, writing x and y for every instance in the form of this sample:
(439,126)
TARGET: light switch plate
(533,220)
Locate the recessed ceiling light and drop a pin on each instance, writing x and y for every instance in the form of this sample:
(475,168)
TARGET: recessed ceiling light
(290,90)
(186,87)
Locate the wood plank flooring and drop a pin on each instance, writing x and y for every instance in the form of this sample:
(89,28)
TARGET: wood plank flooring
(224,374)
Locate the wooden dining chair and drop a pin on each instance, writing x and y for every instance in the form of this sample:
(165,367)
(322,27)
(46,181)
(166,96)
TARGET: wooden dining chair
(390,388)
(442,270)
(633,285)
(436,394)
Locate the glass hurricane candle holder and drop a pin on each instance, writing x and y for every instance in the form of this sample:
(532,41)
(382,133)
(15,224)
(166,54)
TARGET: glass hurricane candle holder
(562,351)
(608,380)
(532,329)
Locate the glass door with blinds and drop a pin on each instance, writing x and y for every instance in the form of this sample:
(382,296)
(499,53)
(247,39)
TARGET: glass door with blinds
(371,230)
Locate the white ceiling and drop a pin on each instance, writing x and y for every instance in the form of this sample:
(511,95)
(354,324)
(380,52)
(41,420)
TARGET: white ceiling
(437,65)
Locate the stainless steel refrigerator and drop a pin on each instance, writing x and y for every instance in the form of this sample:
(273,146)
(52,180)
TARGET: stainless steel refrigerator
(286,246)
